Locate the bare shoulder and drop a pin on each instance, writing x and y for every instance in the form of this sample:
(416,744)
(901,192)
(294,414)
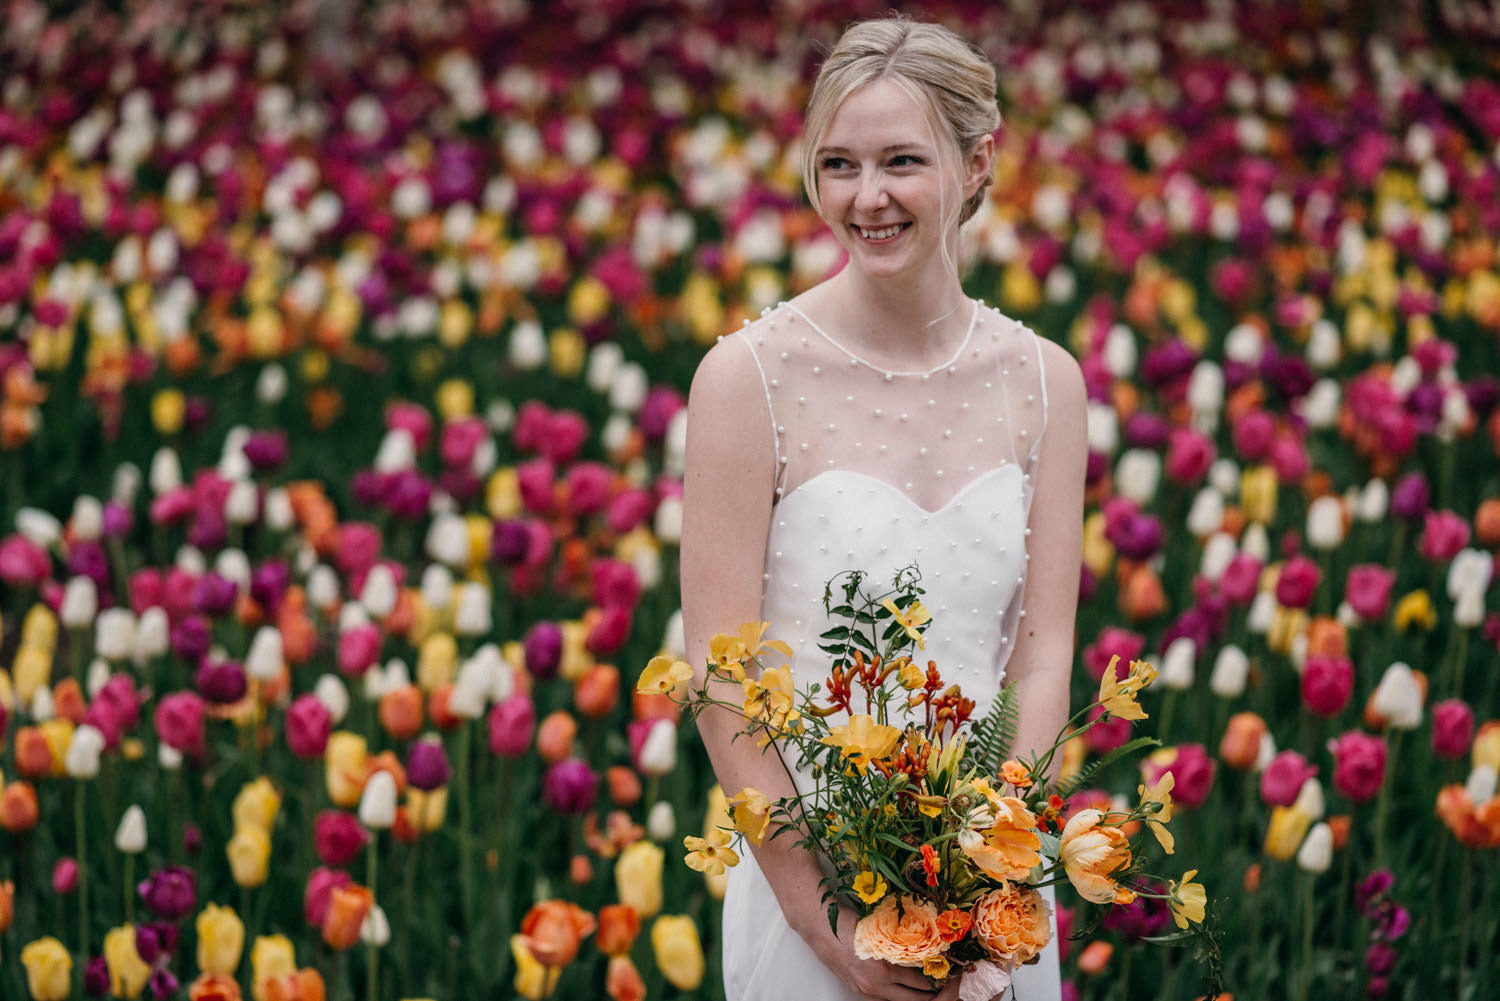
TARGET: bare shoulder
(728,370)
(1066,396)
(729,416)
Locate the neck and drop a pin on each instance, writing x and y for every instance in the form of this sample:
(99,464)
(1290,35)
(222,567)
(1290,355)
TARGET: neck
(920,320)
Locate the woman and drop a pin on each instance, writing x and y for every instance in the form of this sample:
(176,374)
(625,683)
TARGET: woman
(880,419)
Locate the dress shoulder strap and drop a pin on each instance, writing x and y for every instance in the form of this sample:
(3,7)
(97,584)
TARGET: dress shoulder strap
(770,409)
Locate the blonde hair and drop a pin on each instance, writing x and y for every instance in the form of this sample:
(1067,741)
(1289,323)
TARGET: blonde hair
(948,76)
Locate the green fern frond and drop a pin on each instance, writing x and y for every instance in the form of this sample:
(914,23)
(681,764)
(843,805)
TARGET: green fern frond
(995,733)
(1069,786)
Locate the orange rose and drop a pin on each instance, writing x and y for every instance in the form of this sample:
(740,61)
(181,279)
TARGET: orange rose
(347,907)
(214,987)
(1090,853)
(1012,923)
(901,930)
(553,929)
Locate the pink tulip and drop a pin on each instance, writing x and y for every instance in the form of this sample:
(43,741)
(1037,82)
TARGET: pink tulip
(339,836)
(1240,579)
(1359,764)
(1190,453)
(179,722)
(358,548)
(588,487)
(1112,642)
(566,432)
(609,631)
(1368,590)
(1192,771)
(359,648)
(614,583)
(512,723)
(1297,584)
(628,509)
(308,724)
(1253,434)
(535,479)
(22,562)
(460,440)
(1452,728)
(1443,535)
(530,429)
(1327,683)
(320,885)
(1101,738)
(413,419)
(1283,778)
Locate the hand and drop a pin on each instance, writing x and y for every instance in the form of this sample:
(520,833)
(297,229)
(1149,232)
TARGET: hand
(949,991)
(874,979)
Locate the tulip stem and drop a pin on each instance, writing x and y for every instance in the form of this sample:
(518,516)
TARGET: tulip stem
(80,801)
(1383,798)
(1463,922)
(129,888)
(465,809)
(1305,980)
(372,951)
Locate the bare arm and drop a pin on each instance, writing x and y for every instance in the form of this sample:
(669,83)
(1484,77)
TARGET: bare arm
(727,501)
(1041,663)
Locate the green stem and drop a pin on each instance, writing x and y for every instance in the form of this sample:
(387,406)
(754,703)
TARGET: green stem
(1305,974)
(1383,798)
(130,888)
(372,951)
(465,826)
(80,801)
(1463,922)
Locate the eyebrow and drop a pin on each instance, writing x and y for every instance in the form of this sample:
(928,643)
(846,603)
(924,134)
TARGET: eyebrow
(895,147)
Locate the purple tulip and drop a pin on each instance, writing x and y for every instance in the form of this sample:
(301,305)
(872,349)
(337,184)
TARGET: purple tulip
(222,683)
(427,764)
(96,977)
(118,520)
(266,450)
(1409,498)
(509,542)
(268,584)
(171,892)
(570,786)
(190,638)
(214,595)
(543,650)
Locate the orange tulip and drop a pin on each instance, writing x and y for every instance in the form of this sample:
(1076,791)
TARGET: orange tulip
(33,756)
(7,905)
(653,705)
(400,712)
(437,708)
(622,981)
(347,908)
(1252,877)
(1141,594)
(553,929)
(598,692)
(214,987)
(1240,746)
(554,736)
(1475,826)
(619,925)
(624,785)
(299,637)
(1095,957)
(67,698)
(1487,522)
(1340,824)
(386,761)
(18,807)
(581,870)
(1327,637)
(304,985)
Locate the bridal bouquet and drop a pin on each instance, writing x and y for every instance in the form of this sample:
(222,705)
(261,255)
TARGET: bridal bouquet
(935,833)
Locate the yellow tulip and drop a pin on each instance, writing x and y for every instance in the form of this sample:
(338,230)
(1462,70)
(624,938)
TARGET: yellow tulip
(426,810)
(39,628)
(49,969)
(1019,289)
(437,661)
(128,972)
(568,352)
(1098,551)
(1288,827)
(1486,749)
(257,805)
(1258,493)
(638,877)
(58,733)
(1414,611)
(344,767)
(679,954)
(588,301)
(249,853)
(576,659)
(455,323)
(168,408)
(454,398)
(271,956)
(502,494)
(31,670)
(221,939)
(533,980)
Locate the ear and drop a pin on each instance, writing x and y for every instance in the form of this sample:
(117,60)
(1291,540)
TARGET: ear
(978,164)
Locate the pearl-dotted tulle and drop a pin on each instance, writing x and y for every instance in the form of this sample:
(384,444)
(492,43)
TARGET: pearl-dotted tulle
(877,470)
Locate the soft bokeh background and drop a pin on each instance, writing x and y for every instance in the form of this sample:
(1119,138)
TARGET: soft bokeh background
(343,354)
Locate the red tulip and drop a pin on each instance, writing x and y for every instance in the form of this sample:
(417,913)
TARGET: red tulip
(1297,584)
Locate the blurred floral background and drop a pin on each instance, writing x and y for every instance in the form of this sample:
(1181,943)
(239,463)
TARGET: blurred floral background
(343,356)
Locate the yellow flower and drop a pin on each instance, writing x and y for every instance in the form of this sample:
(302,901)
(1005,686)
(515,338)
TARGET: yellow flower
(221,939)
(437,661)
(1117,696)
(710,854)
(502,494)
(751,813)
(32,668)
(663,675)
(1016,774)
(870,886)
(729,652)
(257,804)
(567,351)
(771,700)
(1188,900)
(427,809)
(1098,551)
(915,615)
(1414,611)
(48,969)
(1009,848)
(249,853)
(454,398)
(935,967)
(533,980)
(1258,493)
(1286,830)
(863,740)
(270,956)
(679,954)
(909,676)
(1160,793)
(638,877)
(168,408)
(58,733)
(344,767)
(128,972)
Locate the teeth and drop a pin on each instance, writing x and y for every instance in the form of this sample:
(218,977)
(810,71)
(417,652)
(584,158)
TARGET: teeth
(879,234)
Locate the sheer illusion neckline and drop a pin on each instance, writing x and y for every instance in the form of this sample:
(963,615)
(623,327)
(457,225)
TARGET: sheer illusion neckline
(952,360)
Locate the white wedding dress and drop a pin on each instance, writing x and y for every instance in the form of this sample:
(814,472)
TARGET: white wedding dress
(878,470)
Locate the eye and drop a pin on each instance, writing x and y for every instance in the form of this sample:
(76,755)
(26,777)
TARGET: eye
(835,163)
(906,160)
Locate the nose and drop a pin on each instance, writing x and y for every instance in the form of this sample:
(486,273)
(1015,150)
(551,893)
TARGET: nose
(871,196)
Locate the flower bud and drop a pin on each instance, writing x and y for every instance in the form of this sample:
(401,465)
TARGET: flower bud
(377,804)
(130,836)
(661,822)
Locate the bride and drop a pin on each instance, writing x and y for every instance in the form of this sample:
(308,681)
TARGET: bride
(878,420)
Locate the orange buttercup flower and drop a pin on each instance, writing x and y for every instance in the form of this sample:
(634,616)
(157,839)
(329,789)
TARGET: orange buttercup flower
(214,987)
(303,985)
(400,712)
(954,924)
(553,930)
(1012,924)
(347,909)
(18,807)
(619,925)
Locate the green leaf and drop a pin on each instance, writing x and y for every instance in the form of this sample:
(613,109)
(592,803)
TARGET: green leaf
(1068,787)
(995,733)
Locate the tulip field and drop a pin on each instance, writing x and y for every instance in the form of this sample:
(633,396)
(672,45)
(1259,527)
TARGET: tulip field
(344,352)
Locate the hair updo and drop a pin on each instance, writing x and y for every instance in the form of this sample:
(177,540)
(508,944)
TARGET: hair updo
(948,76)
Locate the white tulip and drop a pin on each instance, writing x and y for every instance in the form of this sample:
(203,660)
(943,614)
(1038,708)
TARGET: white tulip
(81,759)
(87,522)
(605,359)
(1262,613)
(1231,669)
(471,616)
(1481,784)
(1325,345)
(377,804)
(191,559)
(1224,476)
(528,346)
(475,682)
(334,694)
(322,587)
(114,633)
(674,456)
(1103,428)
(630,388)
(168,757)
(448,540)
(437,586)
(96,677)
(1310,799)
(1120,353)
(1177,663)
(1469,576)
(1205,389)
(43,707)
(130,836)
(1257,542)
(234,566)
(397,453)
(1316,853)
(126,483)
(379,593)
(1218,550)
(1137,475)
(242,503)
(658,754)
(38,527)
(1374,502)
(375,929)
(674,637)
(1206,515)
(278,513)
(1398,697)
(152,636)
(661,822)
(271,385)
(1266,752)
(80,603)
(266,656)
(1325,523)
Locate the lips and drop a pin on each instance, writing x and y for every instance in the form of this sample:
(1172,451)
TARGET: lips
(884,233)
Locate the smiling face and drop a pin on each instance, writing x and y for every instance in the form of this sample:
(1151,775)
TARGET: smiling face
(890,184)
